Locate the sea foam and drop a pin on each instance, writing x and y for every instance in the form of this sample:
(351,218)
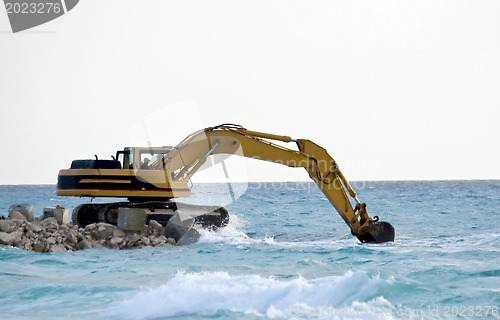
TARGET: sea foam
(208,293)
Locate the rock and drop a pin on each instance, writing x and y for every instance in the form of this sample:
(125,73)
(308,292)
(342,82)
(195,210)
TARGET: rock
(9,238)
(18,242)
(93,234)
(38,247)
(156,226)
(26,244)
(30,234)
(34,226)
(49,236)
(84,244)
(159,241)
(50,224)
(145,241)
(132,219)
(60,213)
(132,240)
(80,236)
(19,224)
(17,215)
(50,241)
(6,226)
(97,245)
(123,245)
(103,232)
(25,209)
(178,225)
(71,237)
(118,233)
(115,241)
(57,248)
(163,241)
(191,236)
(90,227)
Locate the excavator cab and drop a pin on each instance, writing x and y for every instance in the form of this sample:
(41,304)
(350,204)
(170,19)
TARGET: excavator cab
(122,177)
(135,158)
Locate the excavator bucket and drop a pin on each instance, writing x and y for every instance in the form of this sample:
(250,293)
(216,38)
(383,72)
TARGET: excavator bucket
(378,232)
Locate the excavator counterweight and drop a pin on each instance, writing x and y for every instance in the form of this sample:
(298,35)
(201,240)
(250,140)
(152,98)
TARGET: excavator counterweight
(154,178)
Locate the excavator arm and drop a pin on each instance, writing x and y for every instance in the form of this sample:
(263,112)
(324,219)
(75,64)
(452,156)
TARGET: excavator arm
(185,159)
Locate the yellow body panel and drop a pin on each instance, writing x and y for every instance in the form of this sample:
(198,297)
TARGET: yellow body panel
(122,183)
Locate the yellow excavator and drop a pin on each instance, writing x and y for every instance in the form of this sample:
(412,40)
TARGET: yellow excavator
(153,178)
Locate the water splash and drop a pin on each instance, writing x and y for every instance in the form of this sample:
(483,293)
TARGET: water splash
(208,293)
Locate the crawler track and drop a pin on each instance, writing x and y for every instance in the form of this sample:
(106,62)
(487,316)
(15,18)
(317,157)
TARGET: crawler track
(210,217)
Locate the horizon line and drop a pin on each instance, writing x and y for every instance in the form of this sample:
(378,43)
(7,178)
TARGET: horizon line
(282,181)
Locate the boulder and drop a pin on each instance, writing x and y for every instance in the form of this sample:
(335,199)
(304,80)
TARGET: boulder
(191,236)
(19,224)
(115,241)
(9,238)
(50,241)
(90,227)
(26,244)
(131,219)
(71,237)
(57,248)
(17,215)
(60,213)
(38,246)
(50,224)
(97,245)
(102,231)
(84,244)
(145,241)
(180,225)
(155,225)
(6,226)
(34,226)
(25,209)
(132,240)
(118,233)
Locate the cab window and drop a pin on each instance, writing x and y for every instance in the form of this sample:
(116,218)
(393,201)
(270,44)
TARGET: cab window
(125,158)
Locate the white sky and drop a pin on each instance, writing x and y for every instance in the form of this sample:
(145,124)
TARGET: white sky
(392,89)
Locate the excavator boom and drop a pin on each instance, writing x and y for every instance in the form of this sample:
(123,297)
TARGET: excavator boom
(189,155)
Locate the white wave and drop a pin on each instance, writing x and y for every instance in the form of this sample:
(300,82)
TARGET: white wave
(230,234)
(208,293)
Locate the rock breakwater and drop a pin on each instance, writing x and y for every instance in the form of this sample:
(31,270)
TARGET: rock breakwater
(48,235)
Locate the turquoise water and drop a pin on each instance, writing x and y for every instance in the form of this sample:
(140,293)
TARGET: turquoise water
(286,254)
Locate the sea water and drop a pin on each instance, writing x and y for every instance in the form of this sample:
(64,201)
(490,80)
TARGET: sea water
(286,254)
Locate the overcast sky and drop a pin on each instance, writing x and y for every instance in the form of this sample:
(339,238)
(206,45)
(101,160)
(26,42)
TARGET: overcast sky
(394,90)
